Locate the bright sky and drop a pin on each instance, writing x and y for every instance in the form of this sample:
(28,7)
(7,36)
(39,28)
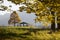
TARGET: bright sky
(13,8)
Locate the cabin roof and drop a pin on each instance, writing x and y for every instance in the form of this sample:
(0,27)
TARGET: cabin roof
(23,23)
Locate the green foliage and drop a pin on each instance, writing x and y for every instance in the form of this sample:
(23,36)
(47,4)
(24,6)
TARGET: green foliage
(3,8)
(17,1)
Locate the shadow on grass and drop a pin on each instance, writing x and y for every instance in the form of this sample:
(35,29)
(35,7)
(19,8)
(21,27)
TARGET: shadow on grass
(10,35)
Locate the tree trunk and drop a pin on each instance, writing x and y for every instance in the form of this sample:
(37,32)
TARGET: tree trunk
(53,22)
(53,26)
(14,24)
(58,27)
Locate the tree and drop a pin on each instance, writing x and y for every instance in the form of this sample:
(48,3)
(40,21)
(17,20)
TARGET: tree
(1,1)
(14,18)
(43,8)
(54,6)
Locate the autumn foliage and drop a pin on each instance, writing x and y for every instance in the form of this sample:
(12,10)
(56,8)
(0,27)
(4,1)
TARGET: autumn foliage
(14,18)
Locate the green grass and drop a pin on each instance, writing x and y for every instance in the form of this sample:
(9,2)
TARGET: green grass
(16,33)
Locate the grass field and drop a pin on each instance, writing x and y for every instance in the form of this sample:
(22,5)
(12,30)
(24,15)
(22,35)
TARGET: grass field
(27,34)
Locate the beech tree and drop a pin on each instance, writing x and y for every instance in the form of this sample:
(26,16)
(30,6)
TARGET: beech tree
(14,18)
